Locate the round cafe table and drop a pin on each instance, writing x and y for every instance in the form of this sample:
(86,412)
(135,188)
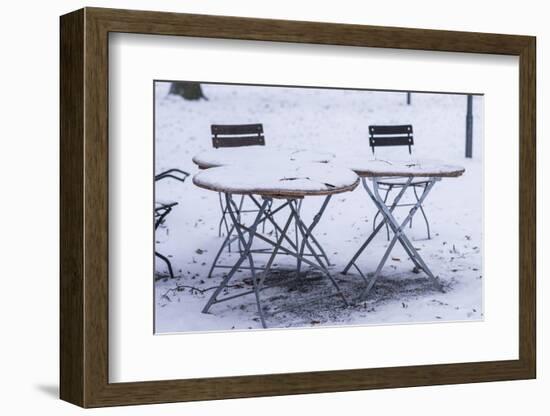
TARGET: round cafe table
(289,182)
(405,173)
(245,155)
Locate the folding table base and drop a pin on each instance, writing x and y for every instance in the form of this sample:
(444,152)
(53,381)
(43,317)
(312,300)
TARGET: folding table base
(223,223)
(267,217)
(398,232)
(305,248)
(388,188)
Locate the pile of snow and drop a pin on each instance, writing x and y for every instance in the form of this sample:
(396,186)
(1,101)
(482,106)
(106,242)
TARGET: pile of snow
(260,154)
(270,178)
(417,167)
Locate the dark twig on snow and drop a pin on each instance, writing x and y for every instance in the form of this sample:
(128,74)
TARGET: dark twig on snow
(192,289)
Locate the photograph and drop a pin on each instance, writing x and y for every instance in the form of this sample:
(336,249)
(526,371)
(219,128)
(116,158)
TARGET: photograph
(284,204)
(312,206)
(302,207)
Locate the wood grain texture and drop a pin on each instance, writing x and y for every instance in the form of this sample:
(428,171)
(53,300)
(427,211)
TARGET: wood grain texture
(162,23)
(527,208)
(84,207)
(71,297)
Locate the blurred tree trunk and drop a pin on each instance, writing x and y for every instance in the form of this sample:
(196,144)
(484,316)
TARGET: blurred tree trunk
(187,90)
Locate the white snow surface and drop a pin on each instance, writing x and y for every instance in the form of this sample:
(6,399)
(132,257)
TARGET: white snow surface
(412,167)
(335,122)
(258,154)
(288,178)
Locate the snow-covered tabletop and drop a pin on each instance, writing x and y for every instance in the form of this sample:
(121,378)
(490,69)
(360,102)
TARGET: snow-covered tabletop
(288,179)
(257,154)
(415,168)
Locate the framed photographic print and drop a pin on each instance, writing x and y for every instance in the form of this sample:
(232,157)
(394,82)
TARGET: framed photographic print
(255,207)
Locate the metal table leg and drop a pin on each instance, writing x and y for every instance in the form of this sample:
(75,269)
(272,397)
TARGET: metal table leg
(160,216)
(244,255)
(268,217)
(378,227)
(296,243)
(397,228)
(223,220)
(246,236)
(232,236)
(308,234)
(402,238)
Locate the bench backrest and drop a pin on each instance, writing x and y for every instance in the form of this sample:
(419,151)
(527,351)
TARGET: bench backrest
(401,135)
(237,135)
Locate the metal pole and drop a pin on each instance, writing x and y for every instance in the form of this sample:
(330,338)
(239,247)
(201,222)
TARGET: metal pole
(408,98)
(469,126)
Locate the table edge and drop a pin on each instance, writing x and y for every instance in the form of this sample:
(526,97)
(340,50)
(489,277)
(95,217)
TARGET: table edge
(281,195)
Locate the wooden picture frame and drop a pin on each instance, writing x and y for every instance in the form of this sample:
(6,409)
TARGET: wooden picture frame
(84,207)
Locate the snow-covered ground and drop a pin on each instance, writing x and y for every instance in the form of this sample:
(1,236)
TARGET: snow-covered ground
(333,121)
